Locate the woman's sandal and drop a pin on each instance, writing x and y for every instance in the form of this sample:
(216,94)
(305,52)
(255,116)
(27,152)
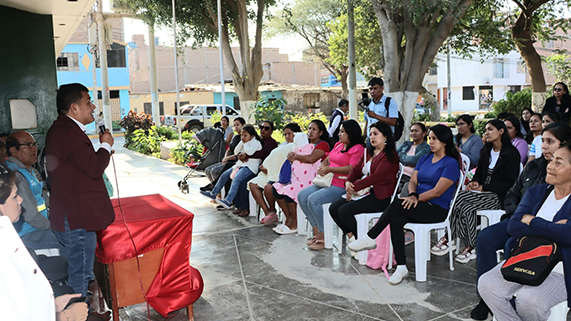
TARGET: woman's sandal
(317,245)
(269,219)
(311,241)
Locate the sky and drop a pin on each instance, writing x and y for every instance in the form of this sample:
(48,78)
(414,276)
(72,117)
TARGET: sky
(293,46)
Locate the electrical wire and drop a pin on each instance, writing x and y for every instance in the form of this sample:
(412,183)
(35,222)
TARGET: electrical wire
(132,240)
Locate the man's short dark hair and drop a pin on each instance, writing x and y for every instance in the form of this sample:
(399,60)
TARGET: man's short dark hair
(69,94)
(376,81)
(11,141)
(269,122)
(343,102)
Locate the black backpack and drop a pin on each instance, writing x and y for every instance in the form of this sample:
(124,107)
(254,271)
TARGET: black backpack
(399,126)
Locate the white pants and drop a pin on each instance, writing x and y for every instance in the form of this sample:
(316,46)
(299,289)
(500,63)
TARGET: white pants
(533,303)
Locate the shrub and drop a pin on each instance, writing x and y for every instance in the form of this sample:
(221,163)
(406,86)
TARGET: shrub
(514,103)
(185,151)
(272,110)
(145,142)
(303,120)
(134,121)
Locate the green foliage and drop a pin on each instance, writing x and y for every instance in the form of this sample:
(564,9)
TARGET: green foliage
(368,40)
(186,152)
(115,125)
(146,141)
(480,126)
(559,65)
(272,110)
(514,103)
(303,120)
(490,115)
(448,119)
(134,121)
(216,117)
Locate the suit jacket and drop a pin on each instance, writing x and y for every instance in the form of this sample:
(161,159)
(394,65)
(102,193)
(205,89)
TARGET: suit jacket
(75,173)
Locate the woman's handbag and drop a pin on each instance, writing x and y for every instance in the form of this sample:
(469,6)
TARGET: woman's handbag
(534,257)
(532,260)
(323,181)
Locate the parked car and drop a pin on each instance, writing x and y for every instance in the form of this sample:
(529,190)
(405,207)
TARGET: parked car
(197,117)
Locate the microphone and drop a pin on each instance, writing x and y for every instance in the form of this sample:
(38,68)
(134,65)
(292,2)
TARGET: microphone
(101,124)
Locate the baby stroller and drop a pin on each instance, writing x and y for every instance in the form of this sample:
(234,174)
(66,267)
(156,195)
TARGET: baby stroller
(213,141)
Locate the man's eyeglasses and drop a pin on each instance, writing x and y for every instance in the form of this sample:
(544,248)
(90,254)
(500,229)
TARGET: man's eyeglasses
(265,127)
(557,89)
(30,145)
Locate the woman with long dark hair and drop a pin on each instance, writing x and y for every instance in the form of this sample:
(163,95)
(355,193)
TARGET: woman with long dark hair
(514,131)
(379,171)
(430,190)
(286,195)
(467,141)
(412,150)
(560,102)
(496,172)
(547,118)
(346,152)
(524,121)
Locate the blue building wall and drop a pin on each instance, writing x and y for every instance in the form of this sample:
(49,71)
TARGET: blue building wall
(118,77)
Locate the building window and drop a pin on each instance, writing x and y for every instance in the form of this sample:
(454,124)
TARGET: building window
(311,100)
(113,94)
(521,67)
(433,71)
(486,96)
(148,108)
(515,89)
(500,68)
(115,57)
(468,93)
(68,61)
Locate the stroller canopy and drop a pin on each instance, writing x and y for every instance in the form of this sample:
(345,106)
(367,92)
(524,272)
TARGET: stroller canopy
(213,140)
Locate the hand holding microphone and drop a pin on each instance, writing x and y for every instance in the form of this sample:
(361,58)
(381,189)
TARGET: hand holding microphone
(104,134)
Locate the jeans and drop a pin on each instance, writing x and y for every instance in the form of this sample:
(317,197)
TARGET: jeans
(242,174)
(242,199)
(311,200)
(492,238)
(79,250)
(40,239)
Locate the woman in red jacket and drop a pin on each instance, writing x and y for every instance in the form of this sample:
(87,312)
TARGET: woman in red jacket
(379,171)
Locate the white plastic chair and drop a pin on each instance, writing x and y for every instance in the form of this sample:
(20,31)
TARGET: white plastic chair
(422,238)
(558,312)
(328,225)
(493,216)
(465,167)
(302,223)
(254,207)
(364,219)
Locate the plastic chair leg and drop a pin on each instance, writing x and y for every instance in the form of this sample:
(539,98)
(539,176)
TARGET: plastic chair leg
(327,227)
(300,222)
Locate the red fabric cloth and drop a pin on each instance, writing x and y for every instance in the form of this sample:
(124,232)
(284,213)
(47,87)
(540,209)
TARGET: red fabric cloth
(155,222)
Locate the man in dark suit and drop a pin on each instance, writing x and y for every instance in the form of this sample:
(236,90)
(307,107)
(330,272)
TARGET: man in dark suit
(79,203)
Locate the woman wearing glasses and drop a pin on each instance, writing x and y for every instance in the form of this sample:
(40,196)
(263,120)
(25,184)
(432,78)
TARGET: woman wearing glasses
(560,101)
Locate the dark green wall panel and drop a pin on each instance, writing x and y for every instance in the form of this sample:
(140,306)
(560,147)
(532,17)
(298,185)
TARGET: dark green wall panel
(27,66)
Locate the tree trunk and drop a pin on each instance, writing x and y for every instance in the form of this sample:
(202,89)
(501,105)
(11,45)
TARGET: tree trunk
(344,87)
(247,111)
(522,35)
(411,40)
(405,98)
(430,104)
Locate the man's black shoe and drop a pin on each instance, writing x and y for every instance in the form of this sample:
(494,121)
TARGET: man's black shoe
(480,312)
(208,187)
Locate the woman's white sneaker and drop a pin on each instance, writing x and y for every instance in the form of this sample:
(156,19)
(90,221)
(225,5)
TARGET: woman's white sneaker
(400,273)
(362,243)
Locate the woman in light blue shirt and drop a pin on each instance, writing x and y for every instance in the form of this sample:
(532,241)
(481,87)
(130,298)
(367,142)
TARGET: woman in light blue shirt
(467,141)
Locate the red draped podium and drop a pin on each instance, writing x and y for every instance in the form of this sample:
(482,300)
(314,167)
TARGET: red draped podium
(154,223)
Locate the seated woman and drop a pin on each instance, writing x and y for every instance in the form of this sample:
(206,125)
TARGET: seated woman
(25,292)
(497,170)
(346,152)
(543,211)
(261,185)
(412,150)
(379,171)
(560,102)
(430,190)
(214,171)
(514,130)
(524,121)
(243,168)
(225,126)
(467,141)
(286,195)
(547,118)
(494,237)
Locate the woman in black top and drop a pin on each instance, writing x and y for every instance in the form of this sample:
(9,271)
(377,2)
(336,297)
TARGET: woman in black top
(560,101)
